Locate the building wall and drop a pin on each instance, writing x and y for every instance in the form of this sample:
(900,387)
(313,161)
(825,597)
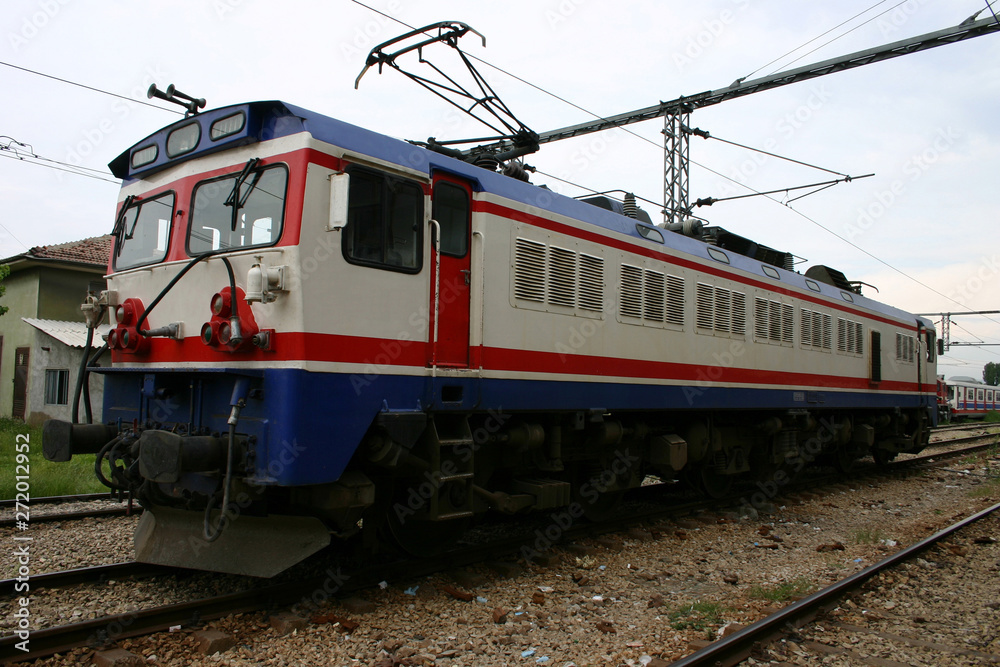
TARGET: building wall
(50,354)
(22,300)
(47,291)
(63,290)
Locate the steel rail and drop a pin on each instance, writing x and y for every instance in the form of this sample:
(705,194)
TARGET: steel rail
(736,647)
(83,575)
(70,516)
(46,500)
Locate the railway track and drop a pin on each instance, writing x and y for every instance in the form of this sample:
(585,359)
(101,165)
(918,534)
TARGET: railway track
(6,503)
(89,575)
(9,522)
(737,647)
(965,426)
(651,508)
(54,502)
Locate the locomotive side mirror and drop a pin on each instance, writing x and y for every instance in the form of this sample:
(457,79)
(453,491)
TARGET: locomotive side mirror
(940,346)
(339,188)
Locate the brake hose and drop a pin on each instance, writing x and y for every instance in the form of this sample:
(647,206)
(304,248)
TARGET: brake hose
(232,285)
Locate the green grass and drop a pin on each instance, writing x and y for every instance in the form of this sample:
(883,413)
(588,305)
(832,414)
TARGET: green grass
(987,489)
(781,592)
(45,478)
(697,616)
(869,536)
(992,416)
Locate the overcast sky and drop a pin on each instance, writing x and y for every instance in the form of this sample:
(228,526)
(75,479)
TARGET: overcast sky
(924,124)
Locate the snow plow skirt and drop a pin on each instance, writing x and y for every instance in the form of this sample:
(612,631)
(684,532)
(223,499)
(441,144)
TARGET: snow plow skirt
(249,545)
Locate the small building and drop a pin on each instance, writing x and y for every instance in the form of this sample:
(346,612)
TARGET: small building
(57,352)
(40,341)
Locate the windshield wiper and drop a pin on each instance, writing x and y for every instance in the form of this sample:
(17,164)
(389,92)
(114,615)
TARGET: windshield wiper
(234,198)
(118,230)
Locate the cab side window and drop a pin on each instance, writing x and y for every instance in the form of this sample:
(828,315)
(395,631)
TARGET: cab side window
(451,210)
(384,222)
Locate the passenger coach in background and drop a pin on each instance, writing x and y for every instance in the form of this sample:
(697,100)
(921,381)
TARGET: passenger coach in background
(968,398)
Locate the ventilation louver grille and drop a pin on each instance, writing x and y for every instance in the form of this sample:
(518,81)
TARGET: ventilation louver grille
(720,310)
(568,281)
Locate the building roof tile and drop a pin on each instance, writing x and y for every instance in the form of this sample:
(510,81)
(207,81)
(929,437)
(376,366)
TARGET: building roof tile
(95,250)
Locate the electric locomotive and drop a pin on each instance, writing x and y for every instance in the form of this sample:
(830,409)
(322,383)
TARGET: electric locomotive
(321,332)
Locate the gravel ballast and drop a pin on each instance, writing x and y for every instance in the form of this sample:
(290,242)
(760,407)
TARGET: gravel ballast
(634,598)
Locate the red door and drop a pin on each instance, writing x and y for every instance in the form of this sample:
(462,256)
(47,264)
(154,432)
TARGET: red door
(452,209)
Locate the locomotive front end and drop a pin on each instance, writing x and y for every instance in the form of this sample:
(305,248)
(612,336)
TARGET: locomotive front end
(209,415)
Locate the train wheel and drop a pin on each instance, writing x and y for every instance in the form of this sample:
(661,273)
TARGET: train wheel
(882,457)
(423,538)
(709,482)
(603,507)
(844,460)
(415,535)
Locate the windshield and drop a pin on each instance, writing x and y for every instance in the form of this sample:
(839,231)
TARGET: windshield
(142,233)
(258,205)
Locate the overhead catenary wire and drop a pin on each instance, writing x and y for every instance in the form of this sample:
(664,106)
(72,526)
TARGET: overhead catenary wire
(53,164)
(706,135)
(823,34)
(86,87)
(864,23)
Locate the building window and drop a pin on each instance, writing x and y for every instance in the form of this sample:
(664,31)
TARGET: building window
(56,387)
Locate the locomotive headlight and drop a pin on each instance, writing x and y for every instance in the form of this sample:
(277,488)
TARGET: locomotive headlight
(207,333)
(225,333)
(119,313)
(221,305)
(113,340)
(127,312)
(125,338)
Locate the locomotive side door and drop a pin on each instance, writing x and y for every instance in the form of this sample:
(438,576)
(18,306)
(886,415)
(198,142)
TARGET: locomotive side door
(451,255)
